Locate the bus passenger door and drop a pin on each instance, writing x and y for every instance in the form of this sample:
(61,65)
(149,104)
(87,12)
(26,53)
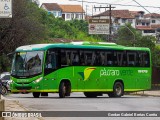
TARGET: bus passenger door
(50,75)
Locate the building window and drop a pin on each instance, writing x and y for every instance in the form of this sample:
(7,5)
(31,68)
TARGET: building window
(68,16)
(153,21)
(49,12)
(55,13)
(130,20)
(123,20)
(149,31)
(147,24)
(80,16)
(72,16)
(77,16)
(143,23)
(59,14)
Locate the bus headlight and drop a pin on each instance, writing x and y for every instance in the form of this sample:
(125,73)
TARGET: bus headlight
(38,80)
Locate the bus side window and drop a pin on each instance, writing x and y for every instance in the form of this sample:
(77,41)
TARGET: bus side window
(50,62)
(144,59)
(131,58)
(75,60)
(63,58)
(102,54)
(68,57)
(98,59)
(109,57)
(82,62)
(120,58)
(88,57)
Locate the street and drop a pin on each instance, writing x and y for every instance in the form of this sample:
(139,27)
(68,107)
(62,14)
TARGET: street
(78,102)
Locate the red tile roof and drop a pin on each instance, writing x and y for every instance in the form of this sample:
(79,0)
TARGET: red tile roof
(71,8)
(152,27)
(152,15)
(136,13)
(155,26)
(144,27)
(51,6)
(117,14)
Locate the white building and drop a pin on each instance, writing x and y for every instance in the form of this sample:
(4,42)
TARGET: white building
(146,23)
(149,24)
(67,12)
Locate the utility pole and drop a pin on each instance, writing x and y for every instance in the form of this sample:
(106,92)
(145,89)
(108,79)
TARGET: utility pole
(92,10)
(86,9)
(110,19)
(82,9)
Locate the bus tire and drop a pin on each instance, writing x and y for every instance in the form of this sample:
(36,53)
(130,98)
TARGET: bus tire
(90,95)
(62,90)
(118,90)
(111,94)
(36,94)
(4,90)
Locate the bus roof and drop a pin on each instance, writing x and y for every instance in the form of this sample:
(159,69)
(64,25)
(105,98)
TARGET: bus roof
(81,45)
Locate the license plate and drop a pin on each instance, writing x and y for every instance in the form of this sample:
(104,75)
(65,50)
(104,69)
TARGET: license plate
(23,91)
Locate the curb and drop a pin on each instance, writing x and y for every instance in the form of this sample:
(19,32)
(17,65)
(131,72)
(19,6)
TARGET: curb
(14,105)
(147,93)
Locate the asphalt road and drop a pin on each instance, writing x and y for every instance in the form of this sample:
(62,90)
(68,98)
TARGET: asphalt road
(78,102)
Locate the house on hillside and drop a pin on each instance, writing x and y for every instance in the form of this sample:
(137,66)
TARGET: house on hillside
(67,12)
(52,8)
(70,12)
(119,17)
(149,25)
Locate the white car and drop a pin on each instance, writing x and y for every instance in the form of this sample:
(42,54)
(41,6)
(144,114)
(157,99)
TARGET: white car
(5,79)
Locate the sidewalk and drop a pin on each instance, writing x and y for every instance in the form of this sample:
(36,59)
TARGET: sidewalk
(154,93)
(12,105)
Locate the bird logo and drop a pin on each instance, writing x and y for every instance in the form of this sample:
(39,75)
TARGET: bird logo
(85,75)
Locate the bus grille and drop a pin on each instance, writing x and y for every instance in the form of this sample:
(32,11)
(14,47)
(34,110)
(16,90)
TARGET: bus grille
(23,87)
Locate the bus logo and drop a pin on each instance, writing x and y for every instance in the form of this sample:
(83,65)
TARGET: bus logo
(87,72)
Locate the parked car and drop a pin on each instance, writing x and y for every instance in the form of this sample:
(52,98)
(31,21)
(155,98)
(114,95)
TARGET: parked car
(5,79)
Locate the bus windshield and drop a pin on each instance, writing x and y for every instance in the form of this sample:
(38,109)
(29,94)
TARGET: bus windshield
(27,63)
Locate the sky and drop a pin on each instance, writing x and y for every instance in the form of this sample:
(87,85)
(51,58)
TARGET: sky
(88,5)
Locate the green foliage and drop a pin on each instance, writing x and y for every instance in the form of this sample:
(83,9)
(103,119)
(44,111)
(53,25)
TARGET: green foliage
(4,63)
(127,35)
(146,41)
(24,28)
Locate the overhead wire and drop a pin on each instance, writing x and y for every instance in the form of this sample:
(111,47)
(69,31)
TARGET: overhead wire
(114,4)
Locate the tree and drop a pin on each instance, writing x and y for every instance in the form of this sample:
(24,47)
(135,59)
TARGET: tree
(23,28)
(127,35)
(146,41)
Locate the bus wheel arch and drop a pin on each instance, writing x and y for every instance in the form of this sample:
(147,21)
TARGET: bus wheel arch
(118,89)
(64,88)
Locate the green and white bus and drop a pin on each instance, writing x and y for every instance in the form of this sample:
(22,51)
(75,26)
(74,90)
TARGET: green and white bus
(92,68)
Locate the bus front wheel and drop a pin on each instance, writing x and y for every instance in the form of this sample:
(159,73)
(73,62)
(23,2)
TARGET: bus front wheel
(36,94)
(62,90)
(118,90)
